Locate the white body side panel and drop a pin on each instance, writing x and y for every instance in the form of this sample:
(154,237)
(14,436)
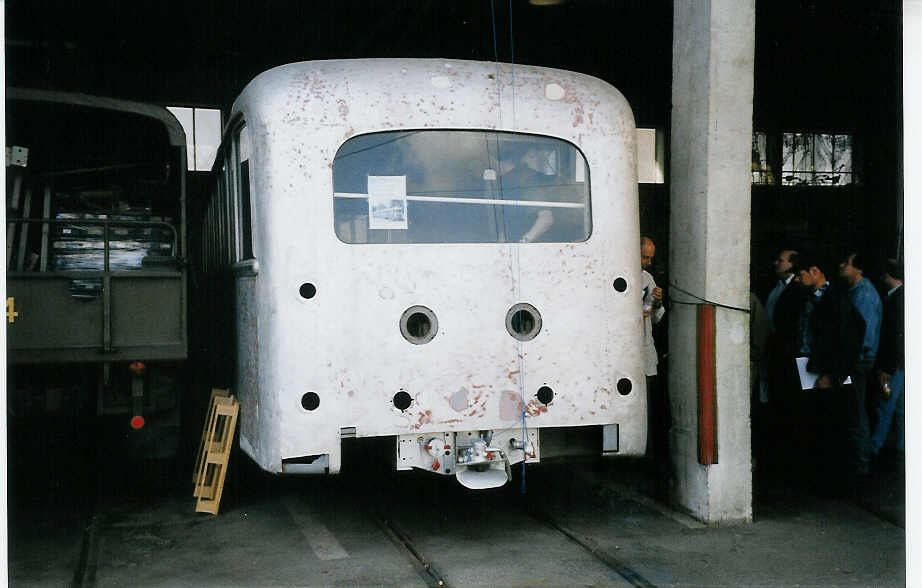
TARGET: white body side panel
(345,344)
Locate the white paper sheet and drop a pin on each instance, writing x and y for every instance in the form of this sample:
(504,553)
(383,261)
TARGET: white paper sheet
(387,202)
(808,379)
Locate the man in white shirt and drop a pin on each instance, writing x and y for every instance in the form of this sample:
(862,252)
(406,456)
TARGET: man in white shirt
(653,311)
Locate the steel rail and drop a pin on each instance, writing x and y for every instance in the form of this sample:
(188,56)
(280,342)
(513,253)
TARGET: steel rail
(618,566)
(402,541)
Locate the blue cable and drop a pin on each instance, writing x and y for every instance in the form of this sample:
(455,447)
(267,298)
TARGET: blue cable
(524,446)
(515,216)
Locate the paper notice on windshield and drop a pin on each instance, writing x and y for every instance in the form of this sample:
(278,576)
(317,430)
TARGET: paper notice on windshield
(387,202)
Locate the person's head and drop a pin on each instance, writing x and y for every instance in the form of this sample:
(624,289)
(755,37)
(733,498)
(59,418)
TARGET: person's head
(511,154)
(811,272)
(785,264)
(893,276)
(851,268)
(539,160)
(647,251)
(523,154)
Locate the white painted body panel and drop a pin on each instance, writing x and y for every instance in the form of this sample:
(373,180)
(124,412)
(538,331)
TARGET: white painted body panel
(345,343)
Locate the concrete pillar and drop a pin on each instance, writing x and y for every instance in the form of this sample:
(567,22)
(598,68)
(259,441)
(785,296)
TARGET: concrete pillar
(712,81)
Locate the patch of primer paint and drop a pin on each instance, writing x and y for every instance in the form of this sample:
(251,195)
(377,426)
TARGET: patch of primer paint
(554,91)
(458,400)
(425,418)
(535,408)
(510,406)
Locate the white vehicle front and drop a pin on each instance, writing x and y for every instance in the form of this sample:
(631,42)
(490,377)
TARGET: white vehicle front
(445,252)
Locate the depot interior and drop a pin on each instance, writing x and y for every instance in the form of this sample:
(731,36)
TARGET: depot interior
(825,73)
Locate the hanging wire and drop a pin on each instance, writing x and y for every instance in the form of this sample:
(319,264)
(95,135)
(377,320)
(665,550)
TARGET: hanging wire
(511,223)
(518,266)
(512,62)
(702,301)
(495,51)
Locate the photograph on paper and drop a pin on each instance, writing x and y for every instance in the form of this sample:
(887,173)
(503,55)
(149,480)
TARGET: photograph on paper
(387,202)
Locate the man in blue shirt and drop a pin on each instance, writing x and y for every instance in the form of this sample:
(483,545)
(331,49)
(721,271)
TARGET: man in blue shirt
(863,296)
(891,362)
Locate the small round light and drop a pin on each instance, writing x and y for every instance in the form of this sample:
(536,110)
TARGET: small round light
(137,422)
(418,325)
(523,321)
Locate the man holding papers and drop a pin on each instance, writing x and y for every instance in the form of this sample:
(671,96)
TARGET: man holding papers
(830,335)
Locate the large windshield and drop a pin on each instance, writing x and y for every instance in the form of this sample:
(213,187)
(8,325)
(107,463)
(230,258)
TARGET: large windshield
(440,186)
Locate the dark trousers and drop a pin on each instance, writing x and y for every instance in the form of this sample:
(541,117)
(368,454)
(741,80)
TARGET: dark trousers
(858,429)
(830,459)
(779,442)
(658,419)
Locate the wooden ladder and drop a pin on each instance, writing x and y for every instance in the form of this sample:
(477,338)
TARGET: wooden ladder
(214,450)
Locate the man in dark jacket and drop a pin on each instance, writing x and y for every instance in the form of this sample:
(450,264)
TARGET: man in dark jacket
(889,405)
(831,330)
(830,334)
(783,305)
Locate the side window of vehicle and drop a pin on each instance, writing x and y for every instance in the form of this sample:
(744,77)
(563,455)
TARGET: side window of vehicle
(242,204)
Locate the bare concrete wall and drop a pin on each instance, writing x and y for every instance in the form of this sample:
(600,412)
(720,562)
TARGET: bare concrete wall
(713,46)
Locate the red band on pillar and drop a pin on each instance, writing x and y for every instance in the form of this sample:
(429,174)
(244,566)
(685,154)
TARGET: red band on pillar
(707,394)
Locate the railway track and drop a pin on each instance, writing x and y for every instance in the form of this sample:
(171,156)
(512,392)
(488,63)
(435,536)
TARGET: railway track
(429,571)
(447,535)
(424,567)
(634,577)
(85,570)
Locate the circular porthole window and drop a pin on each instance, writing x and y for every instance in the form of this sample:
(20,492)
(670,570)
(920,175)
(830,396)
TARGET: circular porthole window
(418,325)
(523,321)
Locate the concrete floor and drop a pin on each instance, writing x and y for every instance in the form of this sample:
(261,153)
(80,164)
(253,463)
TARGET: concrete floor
(590,523)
